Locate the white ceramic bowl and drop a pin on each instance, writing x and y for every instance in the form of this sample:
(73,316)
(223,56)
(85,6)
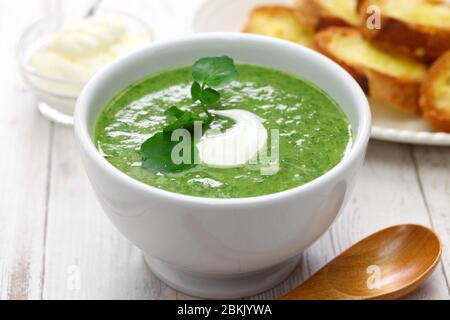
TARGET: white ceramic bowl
(222,248)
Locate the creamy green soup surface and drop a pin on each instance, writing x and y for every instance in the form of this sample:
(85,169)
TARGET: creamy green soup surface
(314,132)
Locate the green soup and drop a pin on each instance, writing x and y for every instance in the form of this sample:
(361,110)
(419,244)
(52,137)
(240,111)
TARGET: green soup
(314,133)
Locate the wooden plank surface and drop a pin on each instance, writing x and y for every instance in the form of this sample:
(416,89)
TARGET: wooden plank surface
(25,143)
(433,169)
(81,239)
(52,229)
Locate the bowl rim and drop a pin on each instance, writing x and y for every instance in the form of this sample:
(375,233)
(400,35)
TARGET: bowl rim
(88,147)
(21,50)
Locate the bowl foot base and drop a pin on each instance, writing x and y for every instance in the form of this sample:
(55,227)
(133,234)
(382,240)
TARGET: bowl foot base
(221,287)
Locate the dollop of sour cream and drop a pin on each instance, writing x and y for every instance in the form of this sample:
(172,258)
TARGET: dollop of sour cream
(82,47)
(236,146)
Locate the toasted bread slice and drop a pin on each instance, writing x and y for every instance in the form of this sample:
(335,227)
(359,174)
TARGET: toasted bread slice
(390,79)
(418,27)
(435,97)
(279,22)
(319,14)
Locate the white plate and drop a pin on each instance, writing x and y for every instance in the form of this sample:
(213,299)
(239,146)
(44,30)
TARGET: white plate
(388,125)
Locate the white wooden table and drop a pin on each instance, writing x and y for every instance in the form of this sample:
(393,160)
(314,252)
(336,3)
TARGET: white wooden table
(52,228)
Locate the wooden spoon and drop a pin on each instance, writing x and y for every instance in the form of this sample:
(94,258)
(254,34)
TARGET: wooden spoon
(387,265)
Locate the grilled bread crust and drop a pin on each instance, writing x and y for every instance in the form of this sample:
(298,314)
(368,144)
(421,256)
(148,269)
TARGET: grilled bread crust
(280,22)
(400,90)
(435,94)
(320,14)
(412,34)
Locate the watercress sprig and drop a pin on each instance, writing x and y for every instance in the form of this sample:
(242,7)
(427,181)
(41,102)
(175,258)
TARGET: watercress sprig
(209,74)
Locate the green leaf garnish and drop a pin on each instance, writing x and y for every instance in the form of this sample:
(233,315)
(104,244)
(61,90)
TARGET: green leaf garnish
(215,72)
(209,74)
(174,112)
(156,154)
(196,91)
(184,121)
(210,96)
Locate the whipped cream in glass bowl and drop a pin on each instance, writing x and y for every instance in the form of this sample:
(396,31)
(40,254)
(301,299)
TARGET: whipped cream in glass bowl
(57,58)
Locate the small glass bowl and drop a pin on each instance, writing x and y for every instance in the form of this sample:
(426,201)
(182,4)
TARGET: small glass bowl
(57,97)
